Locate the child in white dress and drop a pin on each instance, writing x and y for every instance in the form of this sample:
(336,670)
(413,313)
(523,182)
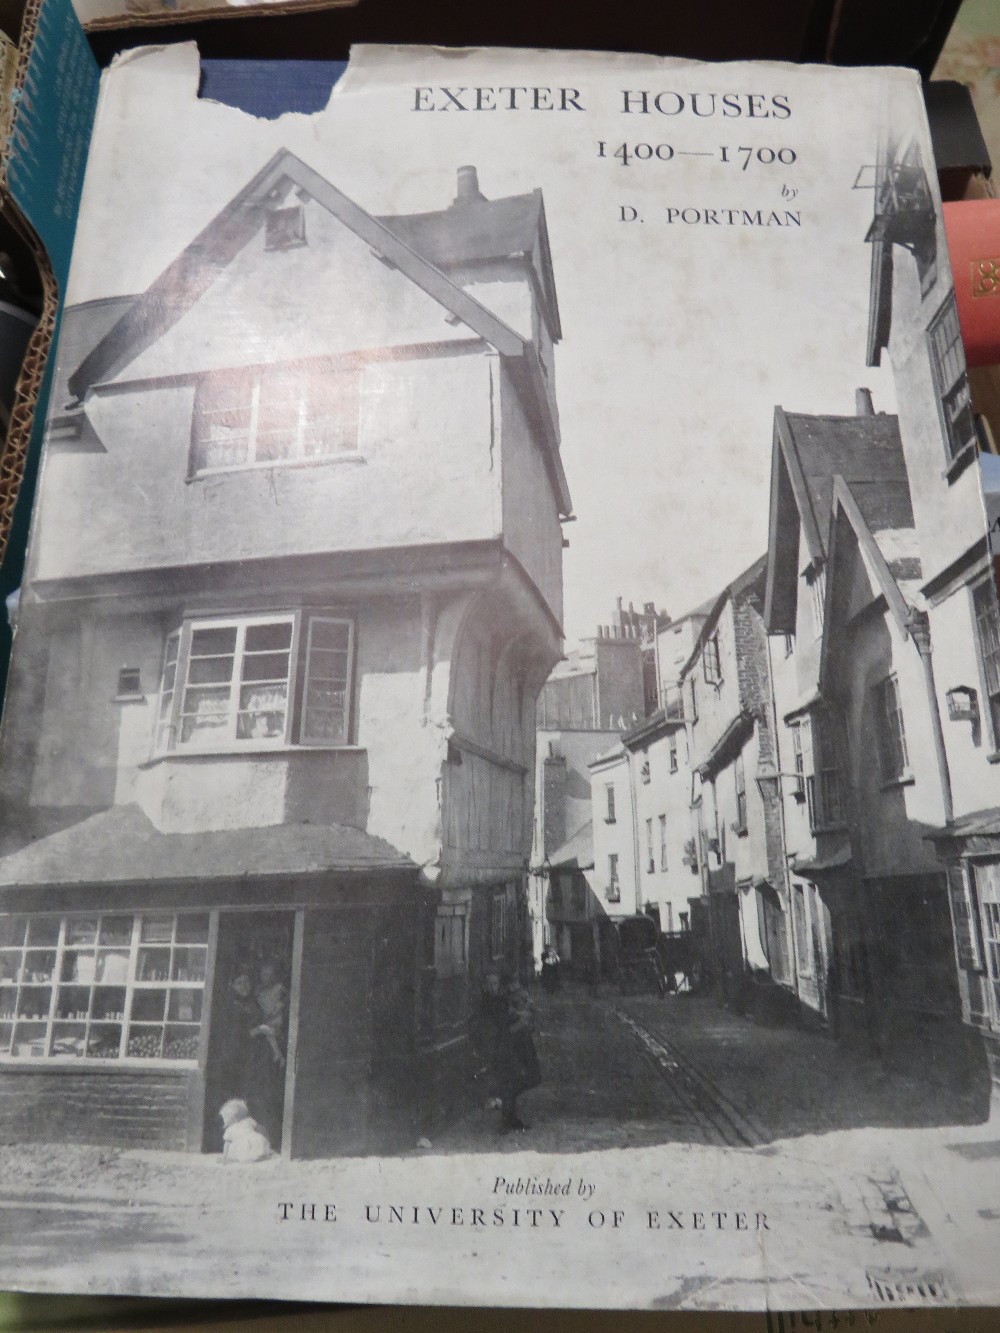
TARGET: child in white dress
(243,1139)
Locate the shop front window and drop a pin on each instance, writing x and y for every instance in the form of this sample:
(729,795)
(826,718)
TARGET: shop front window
(102,987)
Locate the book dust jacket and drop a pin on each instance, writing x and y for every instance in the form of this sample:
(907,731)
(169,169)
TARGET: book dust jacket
(500,798)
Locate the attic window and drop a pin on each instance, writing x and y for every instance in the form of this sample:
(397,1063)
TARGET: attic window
(285,228)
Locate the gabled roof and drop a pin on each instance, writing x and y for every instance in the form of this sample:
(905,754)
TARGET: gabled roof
(808,452)
(152,313)
(181,284)
(705,609)
(477,230)
(742,583)
(122,845)
(890,554)
(81,328)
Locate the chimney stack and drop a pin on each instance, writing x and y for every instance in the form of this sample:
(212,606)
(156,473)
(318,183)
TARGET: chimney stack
(467,191)
(863,404)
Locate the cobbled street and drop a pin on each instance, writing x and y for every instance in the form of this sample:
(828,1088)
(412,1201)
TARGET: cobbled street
(620,1071)
(768,1167)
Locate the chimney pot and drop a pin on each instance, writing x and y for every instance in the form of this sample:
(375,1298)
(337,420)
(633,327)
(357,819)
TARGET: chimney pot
(467,188)
(863,403)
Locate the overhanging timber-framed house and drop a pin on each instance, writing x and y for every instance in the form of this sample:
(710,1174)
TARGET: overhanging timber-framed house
(808,453)
(881,777)
(727,693)
(864,752)
(914,326)
(295,587)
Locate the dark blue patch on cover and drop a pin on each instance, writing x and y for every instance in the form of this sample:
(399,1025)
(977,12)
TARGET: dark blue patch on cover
(268,88)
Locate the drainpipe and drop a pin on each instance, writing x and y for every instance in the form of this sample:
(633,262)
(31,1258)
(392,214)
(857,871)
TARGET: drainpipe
(782,824)
(633,800)
(918,624)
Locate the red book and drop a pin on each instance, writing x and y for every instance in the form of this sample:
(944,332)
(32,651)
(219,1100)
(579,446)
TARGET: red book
(973,229)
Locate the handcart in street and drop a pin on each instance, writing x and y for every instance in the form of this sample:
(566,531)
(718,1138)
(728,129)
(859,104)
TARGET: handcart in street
(638,958)
(681,959)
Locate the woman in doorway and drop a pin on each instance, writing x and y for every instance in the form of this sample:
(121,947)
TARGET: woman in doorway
(266,1081)
(271,997)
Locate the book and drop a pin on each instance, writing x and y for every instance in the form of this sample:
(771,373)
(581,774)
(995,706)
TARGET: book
(973,228)
(504,702)
(48,94)
(96,15)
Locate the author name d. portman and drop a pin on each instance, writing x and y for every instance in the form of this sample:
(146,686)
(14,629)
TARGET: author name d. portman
(719,217)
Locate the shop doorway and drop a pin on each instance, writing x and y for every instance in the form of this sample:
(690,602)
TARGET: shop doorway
(248,1039)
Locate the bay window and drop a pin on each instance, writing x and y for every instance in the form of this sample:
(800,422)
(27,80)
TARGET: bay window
(798,763)
(827,752)
(252,682)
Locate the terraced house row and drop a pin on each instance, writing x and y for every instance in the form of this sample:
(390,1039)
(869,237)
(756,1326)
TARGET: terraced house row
(818,789)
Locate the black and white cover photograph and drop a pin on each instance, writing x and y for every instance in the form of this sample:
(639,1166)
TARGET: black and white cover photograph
(500,771)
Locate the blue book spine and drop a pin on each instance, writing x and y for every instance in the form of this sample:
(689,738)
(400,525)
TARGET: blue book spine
(55,102)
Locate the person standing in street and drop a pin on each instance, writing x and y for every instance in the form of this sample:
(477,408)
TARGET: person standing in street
(510,1046)
(550,970)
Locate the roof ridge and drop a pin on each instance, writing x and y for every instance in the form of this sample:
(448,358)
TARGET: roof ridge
(187,277)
